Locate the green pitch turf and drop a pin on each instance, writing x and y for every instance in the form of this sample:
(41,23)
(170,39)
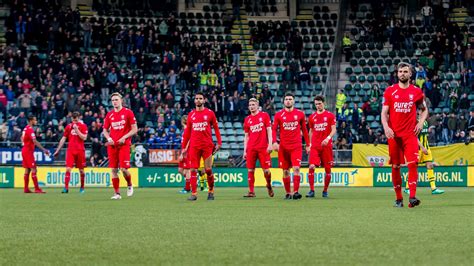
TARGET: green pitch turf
(158,226)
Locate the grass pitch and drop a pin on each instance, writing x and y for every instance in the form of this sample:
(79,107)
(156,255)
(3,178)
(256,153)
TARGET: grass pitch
(158,226)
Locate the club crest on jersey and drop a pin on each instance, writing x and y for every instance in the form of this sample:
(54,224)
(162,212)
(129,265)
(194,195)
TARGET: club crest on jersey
(260,119)
(410,96)
(325,119)
(284,117)
(296,117)
(123,116)
(205,117)
(396,97)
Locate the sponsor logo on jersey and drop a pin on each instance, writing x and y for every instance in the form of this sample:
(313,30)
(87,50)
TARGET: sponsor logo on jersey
(200,126)
(256,128)
(290,125)
(403,107)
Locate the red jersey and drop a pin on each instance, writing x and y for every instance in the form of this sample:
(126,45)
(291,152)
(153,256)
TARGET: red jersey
(256,127)
(28,137)
(120,123)
(291,124)
(75,142)
(402,108)
(198,129)
(320,126)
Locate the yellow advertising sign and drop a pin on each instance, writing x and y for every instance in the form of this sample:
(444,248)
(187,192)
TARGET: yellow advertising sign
(349,177)
(54,177)
(377,155)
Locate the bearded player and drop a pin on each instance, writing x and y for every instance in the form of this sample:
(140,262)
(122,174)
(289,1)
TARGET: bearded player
(76,134)
(258,145)
(197,143)
(322,128)
(119,127)
(28,139)
(290,122)
(401,128)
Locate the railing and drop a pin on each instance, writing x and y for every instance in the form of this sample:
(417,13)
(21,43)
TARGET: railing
(224,158)
(333,75)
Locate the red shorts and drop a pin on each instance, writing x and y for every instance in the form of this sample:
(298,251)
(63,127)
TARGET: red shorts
(77,158)
(262,155)
(321,156)
(401,149)
(196,153)
(288,158)
(28,160)
(184,164)
(119,156)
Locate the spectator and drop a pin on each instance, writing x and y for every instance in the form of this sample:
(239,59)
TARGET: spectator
(236,50)
(340,100)
(426,12)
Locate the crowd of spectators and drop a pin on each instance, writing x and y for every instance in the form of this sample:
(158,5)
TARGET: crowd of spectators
(78,62)
(449,52)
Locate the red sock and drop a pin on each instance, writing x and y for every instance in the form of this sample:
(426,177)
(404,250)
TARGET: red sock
(251,180)
(67,179)
(35,181)
(187,184)
(397,182)
(287,184)
(83,177)
(296,182)
(116,183)
(128,178)
(311,179)
(327,177)
(412,178)
(210,180)
(268,177)
(26,178)
(194,182)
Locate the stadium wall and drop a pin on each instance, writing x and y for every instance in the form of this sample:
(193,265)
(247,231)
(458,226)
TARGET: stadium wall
(446,176)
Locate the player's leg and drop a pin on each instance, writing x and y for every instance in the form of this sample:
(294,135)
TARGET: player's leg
(35,180)
(124,163)
(284,161)
(207,155)
(187,184)
(70,159)
(422,159)
(202,175)
(396,159)
(296,156)
(26,179)
(266,163)
(251,162)
(194,156)
(428,159)
(83,177)
(114,165)
(410,148)
(67,179)
(81,164)
(314,160)
(431,177)
(327,161)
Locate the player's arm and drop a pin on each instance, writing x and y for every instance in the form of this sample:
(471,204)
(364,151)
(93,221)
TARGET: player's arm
(331,135)
(217,132)
(384,117)
(274,133)
(106,132)
(246,140)
(304,128)
(129,134)
(423,116)
(81,135)
(423,148)
(186,137)
(60,145)
(37,144)
(270,139)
